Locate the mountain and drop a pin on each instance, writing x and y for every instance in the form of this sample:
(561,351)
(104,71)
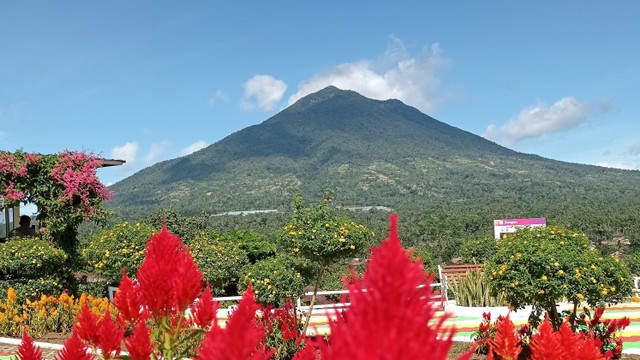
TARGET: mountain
(384,153)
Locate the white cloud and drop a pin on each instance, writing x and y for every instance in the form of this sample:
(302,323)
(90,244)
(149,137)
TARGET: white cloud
(156,152)
(540,120)
(619,165)
(218,97)
(194,147)
(263,92)
(127,152)
(396,75)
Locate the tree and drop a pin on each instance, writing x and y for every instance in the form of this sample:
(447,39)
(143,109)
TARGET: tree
(322,236)
(541,266)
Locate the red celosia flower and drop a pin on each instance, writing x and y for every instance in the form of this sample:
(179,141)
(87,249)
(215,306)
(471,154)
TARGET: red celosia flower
(563,344)
(110,337)
(139,343)
(391,315)
(74,349)
(27,349)
(506,343)
(128,302)
(308,352)
(169,279)
(242,338)
(87,328)
(204,310)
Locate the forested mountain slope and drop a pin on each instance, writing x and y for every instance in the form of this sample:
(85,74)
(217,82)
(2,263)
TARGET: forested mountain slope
(445,183)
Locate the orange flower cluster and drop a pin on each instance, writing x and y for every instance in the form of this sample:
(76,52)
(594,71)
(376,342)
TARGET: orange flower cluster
(47,314)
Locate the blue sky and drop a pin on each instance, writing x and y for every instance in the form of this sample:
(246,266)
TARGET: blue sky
(147,81)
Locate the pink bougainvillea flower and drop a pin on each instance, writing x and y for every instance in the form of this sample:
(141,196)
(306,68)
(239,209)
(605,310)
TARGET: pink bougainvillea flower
(110,336)
(392,315)
(88,328)
(74,349)
(27,349)
(204,310)
(128,302)
(139,343)
(242,338)
(169,278)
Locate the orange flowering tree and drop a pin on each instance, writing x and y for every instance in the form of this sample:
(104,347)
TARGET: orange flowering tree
(541,266)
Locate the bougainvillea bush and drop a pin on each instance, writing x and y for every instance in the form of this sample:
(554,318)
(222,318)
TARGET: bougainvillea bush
(64,186)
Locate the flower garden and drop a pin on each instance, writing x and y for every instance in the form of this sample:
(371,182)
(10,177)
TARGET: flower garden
(165,308)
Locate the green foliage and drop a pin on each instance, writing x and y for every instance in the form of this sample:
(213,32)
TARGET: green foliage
(540,266)
(274,279)
(633,263)
(321,235)
(479,250)
(121,247)
(257,245)
(185,227)
(473,290)
(220,261)
(32,267)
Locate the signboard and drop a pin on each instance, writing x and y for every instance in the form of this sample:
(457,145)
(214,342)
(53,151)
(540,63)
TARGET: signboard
(507,226)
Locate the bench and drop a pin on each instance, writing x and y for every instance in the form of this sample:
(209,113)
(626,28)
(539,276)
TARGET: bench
(450,274)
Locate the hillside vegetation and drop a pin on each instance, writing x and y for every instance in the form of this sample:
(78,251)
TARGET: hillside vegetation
(446,184)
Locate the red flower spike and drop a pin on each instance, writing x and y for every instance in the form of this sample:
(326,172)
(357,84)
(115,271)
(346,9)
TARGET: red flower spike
(110,337)
(87,327)
(242,338)
(27,349)
(204,310)
(128,302)
(139,343)
(169,279)
(393,301)
(308,352)
(506,343)
(74,349)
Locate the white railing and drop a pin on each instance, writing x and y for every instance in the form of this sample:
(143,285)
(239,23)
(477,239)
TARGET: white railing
(299,307)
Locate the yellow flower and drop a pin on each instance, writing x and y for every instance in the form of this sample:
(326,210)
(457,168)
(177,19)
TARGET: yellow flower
(604,292)
(518,255)
(560,272)
(352,247)
(342,239)
(544,278)
(295,250)
(541,292)
(580,296)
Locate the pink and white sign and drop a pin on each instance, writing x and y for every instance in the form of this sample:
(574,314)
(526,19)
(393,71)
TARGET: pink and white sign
(507,226)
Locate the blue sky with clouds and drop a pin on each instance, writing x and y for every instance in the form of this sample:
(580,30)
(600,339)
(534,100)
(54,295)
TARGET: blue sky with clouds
(147,81)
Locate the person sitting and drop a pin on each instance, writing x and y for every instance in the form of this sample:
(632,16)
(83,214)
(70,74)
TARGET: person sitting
(24,229)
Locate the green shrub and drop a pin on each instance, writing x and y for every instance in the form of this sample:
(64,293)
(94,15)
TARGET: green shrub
(478,251)
(541,266)
(184,227)
(258,246)
(32,266)
(473,290)
(121,247)
(273,279)
(220,261)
